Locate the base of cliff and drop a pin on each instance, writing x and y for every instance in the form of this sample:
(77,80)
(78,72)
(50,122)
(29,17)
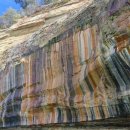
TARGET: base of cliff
(107,124)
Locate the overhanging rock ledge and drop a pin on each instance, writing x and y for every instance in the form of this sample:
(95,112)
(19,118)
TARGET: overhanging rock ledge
(67,65)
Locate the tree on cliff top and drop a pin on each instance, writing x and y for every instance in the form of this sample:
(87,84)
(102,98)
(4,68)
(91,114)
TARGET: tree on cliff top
(25,3)
(8,18)
(29,6)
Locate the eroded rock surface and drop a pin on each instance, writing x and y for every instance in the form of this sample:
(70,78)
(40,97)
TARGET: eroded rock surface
(67,63)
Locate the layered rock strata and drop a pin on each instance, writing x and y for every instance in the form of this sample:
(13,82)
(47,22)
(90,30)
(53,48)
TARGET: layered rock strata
(78,74)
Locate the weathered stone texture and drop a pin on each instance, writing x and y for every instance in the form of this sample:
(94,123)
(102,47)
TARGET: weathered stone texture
(80,75)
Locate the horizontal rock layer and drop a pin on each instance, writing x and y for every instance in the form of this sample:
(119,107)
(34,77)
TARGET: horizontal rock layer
(81,75)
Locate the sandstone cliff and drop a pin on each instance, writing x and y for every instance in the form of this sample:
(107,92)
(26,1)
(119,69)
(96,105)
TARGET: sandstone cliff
(67,63)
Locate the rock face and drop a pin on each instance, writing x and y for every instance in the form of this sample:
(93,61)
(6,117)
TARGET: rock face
(71,65)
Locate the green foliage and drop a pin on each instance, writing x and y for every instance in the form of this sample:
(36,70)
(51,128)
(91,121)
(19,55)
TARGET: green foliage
(47,1)
(28,6)
(50,1)
(10,17)
(25,3)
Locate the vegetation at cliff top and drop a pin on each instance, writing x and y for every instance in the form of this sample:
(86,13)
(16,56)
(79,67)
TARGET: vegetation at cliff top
(8,18)
(28,7)
(11,15)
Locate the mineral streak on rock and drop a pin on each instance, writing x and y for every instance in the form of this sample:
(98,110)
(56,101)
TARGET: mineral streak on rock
(68,64)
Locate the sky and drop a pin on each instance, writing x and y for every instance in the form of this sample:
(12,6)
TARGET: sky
(5,4)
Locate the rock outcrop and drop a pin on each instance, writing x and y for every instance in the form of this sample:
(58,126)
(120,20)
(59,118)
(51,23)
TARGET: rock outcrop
(68,63)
